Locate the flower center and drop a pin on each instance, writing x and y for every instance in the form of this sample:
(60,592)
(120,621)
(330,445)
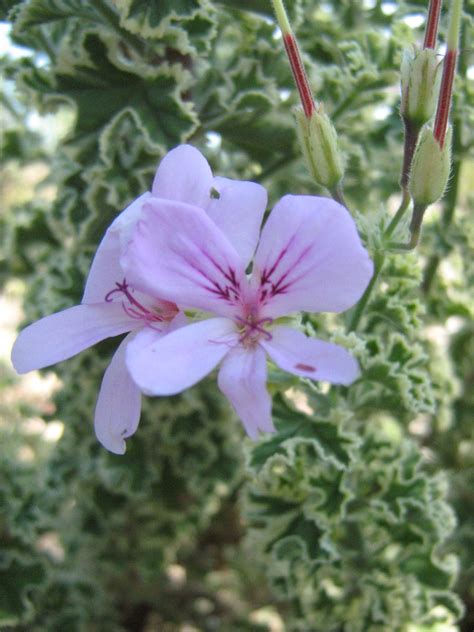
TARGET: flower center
(133,308)
(252,329)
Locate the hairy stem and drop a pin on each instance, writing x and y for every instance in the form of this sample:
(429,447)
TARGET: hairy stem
(337,194)
(412,132)
(449,72)
(415,229)
(294,57)
(431,32)
(379,260)
(404,204)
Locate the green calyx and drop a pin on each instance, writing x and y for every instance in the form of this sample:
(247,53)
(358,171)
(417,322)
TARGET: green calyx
(318,141)
(420,77)
(430,168)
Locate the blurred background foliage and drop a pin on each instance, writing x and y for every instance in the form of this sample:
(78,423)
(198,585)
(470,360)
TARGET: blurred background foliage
(356,516)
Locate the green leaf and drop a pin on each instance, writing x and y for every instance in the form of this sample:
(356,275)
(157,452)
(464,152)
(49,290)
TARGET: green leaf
(150,18)
(99,91)
(40,12)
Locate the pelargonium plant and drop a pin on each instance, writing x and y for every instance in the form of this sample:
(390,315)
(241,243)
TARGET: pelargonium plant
(313,319)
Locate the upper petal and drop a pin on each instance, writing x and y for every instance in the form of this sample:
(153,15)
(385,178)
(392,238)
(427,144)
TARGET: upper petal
(294,352)
(181,358)
(117,411)
(310,258)
(63,334)
(184,175)
(238,212)
(177,253)
(242,378)
(106,269)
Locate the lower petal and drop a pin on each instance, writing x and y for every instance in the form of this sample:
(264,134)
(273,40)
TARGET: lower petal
(64,334)
(117,412)
(181,358)
(242,379)
(295,353)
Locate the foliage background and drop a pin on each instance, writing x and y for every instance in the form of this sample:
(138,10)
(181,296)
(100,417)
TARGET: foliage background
(357,515)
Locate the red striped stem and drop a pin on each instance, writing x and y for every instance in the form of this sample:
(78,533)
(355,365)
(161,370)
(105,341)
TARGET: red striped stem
(299,74)
(431,32)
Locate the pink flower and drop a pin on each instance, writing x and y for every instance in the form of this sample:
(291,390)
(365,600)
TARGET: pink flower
(112,306)
(309,258)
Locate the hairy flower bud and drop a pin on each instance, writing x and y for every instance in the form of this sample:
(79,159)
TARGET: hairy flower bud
(420,84)
(318,140)
(430,168)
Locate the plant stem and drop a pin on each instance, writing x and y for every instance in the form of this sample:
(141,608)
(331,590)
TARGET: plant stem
(294,57)
(415,229)
(337,194)
(379,260)
(431,33)
(412,131)
(444,102)
(449,71)
(399,214)
(411,138)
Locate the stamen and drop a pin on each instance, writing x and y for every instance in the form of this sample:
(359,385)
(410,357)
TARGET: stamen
(134,308)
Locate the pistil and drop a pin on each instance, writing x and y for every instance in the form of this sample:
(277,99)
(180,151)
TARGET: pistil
(253,329)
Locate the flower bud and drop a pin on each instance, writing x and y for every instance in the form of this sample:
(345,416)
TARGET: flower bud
(420,84)
(318,140)
(430,168)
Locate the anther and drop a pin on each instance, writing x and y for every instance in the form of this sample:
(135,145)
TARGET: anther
(134,308)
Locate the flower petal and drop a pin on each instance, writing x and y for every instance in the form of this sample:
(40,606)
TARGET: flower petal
(242,378)
(117,411)
(181,358)
(238,212)
(310,258)
(294,352)
(63,334)
(106,269)
(184,175)
(178,254)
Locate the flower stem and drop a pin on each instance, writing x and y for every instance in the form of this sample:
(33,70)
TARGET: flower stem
(449,71)
(337,194)
(415,225)
(294,57)
(415,229)
(282,17)
(399,214)
(412,131)
(444,103)
(431,32)
(379,260)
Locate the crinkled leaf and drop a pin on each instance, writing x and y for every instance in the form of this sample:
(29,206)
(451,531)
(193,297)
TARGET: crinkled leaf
(100,92)
(150,17)
(40,12)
